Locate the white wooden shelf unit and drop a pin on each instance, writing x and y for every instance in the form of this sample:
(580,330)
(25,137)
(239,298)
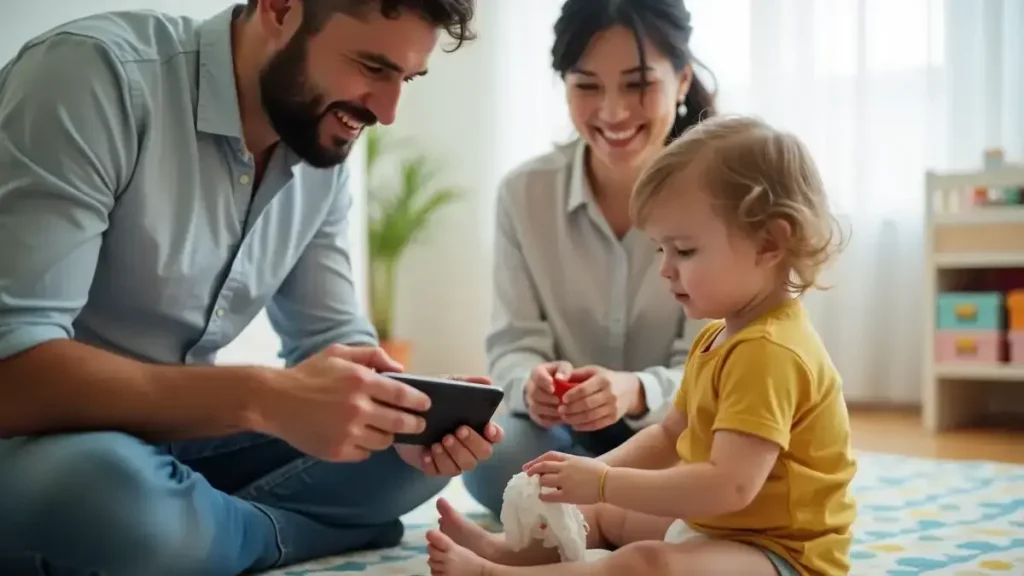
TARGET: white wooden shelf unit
(962,240)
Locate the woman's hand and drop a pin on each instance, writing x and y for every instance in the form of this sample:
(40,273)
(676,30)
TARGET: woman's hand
(541,401)
(601,398)
(456,453)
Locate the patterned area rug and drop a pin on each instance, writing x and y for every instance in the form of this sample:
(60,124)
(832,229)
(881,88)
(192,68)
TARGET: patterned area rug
(917,516)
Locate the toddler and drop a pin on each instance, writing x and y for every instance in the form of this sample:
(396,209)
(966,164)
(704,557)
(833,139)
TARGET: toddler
(750,473)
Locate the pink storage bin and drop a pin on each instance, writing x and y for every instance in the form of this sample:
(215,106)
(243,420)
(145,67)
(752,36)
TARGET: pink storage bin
(975,346)
(1016,339)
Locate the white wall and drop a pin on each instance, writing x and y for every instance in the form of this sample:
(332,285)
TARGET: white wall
(443,294)
(23,20)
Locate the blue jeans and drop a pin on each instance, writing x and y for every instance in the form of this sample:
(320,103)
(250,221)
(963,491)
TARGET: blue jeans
(109,504)
(524,441)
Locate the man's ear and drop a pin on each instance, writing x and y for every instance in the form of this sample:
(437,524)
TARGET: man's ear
(775,242)
(280,19)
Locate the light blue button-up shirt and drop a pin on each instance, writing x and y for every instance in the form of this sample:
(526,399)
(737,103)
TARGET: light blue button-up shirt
(566,288)
(128,215)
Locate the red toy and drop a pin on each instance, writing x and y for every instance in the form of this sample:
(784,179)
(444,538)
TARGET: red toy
(562,386)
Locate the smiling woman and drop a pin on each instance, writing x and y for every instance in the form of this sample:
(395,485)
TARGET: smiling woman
(577,292)
(630,92)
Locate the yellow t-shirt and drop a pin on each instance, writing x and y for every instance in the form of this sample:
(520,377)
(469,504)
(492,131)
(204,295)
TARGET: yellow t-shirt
(775,380)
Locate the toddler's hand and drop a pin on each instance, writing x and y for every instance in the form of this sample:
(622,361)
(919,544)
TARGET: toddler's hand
(576,480)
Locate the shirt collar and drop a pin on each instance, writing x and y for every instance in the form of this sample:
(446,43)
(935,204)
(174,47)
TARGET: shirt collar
(217,110)
(579,186)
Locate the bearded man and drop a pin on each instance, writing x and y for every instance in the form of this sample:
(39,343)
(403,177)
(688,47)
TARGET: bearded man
(162,180)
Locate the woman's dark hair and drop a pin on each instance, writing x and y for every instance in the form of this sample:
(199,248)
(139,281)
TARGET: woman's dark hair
(664,23)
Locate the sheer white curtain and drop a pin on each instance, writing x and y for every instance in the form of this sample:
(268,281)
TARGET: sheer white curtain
(880,91)
(861,81)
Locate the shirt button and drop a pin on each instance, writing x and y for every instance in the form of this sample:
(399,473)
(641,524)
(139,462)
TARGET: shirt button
(219,312)
(244,179)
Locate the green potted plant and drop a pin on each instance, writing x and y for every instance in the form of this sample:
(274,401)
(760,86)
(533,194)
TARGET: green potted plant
(402,201)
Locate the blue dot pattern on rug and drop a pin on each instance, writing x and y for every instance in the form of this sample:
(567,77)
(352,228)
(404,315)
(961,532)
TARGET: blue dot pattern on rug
(916,517)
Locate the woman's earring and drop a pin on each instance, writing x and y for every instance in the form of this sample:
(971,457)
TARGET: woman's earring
(681,110)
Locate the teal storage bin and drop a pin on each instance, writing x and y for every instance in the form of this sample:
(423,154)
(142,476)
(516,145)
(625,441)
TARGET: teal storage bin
(970,311)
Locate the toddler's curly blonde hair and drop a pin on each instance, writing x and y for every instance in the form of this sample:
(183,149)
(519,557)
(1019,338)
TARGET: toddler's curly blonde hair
(755,175)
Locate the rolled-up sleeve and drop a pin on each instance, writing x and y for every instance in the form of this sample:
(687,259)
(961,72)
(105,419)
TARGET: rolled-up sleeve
(316,305)
(519,338)
(67,146)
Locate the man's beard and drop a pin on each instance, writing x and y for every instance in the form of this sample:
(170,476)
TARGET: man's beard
(296,110)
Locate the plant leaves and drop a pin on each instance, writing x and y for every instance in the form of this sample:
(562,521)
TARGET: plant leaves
(398,217)
(397,220)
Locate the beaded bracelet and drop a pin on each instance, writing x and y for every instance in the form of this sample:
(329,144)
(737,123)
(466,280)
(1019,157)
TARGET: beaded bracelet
(600,484)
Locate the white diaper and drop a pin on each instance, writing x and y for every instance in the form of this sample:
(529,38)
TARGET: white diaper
(523,513)
(680,532)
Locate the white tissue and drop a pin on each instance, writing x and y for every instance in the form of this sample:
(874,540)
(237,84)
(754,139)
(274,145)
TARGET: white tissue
(523,512)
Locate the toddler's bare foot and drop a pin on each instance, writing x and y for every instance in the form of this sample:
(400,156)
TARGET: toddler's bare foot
(469,534)
(449,559)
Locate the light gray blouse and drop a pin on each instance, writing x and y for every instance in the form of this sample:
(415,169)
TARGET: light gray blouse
(565,288)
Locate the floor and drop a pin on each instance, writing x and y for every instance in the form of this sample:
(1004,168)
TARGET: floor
(901,432)
(929,505)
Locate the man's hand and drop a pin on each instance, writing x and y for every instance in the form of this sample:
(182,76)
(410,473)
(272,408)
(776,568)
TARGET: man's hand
(334,406)
(601,398)
(541,401)
(576,480)
(375,357)
(456,453)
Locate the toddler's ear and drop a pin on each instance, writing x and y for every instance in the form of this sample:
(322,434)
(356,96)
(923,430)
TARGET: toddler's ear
(775,242)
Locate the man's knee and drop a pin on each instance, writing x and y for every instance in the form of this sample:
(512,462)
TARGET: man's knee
(56,476)
(91,499)
(375,491)
(413,486)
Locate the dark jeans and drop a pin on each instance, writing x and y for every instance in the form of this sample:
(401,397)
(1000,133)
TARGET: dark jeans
(524,441)
(108,503)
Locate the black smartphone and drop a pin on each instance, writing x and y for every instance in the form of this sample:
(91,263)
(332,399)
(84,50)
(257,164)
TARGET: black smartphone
(453,403)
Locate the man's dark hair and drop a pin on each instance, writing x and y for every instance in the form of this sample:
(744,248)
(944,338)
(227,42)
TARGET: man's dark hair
(454,16)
